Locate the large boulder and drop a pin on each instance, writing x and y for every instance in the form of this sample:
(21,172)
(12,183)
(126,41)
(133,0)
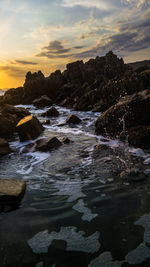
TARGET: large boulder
(11,189)
(4,147)
(120,120)
(29,128)
(9,117)
(43,101)
(52,112)
(47,144)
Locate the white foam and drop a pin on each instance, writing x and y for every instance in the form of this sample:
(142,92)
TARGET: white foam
(87,214)
(138,255)
(36,158)
(75,240)
(105,260)
(145,222)
(69,188)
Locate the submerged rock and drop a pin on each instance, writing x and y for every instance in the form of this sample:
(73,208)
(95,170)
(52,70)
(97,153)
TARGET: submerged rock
(73,119)
(47,143)
(52,112)
(4,147)
(133,175)
(29,128)
(11,189)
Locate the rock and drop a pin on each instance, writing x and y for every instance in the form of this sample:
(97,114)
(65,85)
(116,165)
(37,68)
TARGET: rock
(65,140)
(139,136)
(48,122)
(11,189)
(29,128)
(133,175)
(119,120)
(73,119)
(4,147)
(9,117)
(43,101)
(52,112)
(47,144)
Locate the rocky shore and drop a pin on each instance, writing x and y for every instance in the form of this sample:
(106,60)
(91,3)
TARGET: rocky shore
(102,84)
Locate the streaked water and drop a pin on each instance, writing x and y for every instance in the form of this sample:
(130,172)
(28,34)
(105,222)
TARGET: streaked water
(76,211)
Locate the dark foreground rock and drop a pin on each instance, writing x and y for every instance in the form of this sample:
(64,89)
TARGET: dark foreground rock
(29,128)
(11,189)
(73,119)
(52,112)
(128,118)
(47,144)
(9,117)
(4,147)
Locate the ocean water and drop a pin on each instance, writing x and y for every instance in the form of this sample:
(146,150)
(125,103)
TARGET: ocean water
(76,211)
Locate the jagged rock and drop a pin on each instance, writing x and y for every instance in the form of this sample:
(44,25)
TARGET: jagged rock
(73,119)
(11,189)
(29,128)
(52,112)
(65,140)
(4,147)
(43,101)
(47,144)
(130,111)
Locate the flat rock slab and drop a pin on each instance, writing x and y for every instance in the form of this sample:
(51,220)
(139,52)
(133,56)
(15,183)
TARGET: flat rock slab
(29,128)
(11,188)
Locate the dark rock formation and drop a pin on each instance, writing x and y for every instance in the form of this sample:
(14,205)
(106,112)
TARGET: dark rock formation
(66,140)
(120,120)
(52,112)
(73,119)
(4,147)
(43,101)
(47,144)
(29,128)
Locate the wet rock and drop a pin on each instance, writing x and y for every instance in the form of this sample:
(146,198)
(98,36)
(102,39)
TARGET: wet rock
(73,119)
(9,117)
(29,148)
(65,140)
(11,189)
(131,111)
(47,144)
(4,147)
(29,128)
(133,175)
(48,122)
(139,136)
(43,101)
(52,112)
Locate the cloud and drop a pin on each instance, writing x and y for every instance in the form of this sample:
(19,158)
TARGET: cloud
(99,4)
(56,47)
(13,71)
(136,3)
(24,62)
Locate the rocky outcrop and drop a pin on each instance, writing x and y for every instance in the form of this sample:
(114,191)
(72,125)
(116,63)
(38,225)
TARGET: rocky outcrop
(11,189)
(9,117)
(29,128)
(127,118)
(52,112)
(47,144)
(73,119)
(4,147)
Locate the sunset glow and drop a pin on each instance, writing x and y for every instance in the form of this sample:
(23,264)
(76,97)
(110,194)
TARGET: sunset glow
(46,35)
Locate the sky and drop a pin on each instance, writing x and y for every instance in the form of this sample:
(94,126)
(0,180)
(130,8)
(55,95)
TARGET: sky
(48,34)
